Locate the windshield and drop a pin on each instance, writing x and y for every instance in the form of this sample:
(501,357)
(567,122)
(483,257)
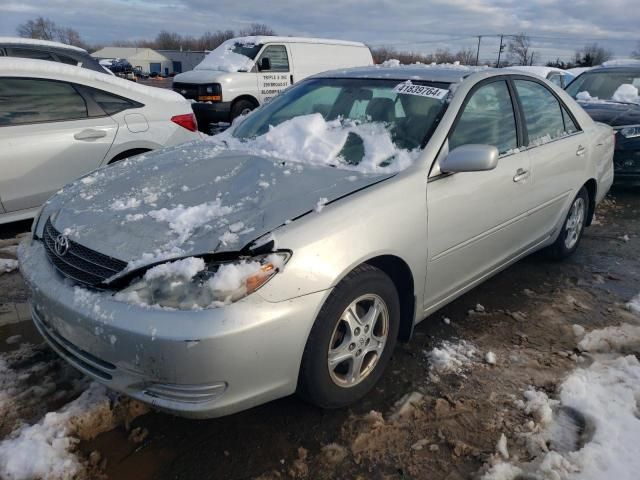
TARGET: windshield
(616,86)
(230,56)
(369,123)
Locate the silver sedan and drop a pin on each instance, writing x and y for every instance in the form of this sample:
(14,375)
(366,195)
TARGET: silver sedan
(292,252)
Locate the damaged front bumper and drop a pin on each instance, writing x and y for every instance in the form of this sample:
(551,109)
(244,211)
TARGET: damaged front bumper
(201,363)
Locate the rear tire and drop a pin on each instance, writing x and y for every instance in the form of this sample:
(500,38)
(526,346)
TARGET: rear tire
(241,107)
(352,339)
(572,228)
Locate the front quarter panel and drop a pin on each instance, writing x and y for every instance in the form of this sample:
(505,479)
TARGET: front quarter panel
(389,218)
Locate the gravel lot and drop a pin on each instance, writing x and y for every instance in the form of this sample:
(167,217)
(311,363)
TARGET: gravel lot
(447,429)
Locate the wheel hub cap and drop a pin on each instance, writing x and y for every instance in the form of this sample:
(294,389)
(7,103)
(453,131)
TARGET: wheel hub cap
(358,340)
(575,223)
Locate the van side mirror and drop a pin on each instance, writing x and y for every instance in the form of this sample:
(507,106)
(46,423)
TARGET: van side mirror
(470,158)
(265,64)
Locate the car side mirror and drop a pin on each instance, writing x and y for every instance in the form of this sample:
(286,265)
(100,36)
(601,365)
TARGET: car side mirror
(470,158)
(265,64)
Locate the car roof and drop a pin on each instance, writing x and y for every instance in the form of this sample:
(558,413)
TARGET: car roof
(38,43)
(445,73)
(621,69)
(261,39)
(16,66)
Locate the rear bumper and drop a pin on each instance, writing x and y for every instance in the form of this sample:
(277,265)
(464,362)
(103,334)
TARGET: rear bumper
(207,113)
(196,364)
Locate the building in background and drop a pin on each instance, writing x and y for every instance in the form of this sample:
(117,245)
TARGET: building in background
(164,62)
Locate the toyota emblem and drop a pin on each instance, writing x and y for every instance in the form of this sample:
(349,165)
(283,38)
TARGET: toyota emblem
(61,245)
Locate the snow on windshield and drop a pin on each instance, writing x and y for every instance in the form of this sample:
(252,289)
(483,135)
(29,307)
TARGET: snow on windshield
(310,139)
(225,59)
(625,93)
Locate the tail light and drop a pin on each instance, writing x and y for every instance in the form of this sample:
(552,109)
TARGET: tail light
(188,121)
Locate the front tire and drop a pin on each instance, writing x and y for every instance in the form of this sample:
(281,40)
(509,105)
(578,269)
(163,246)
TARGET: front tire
(572,228)
(352,339)
(241,107)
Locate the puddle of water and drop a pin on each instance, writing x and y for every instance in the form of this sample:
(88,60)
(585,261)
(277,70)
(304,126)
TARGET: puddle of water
(16,324)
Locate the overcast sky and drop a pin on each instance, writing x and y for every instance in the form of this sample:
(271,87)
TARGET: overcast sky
(557,28)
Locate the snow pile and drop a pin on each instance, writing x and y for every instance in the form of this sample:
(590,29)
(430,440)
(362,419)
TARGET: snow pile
(585,97)
(44,450)
(224,59)
(392,62)
(312,140)
(7,265)
(634,304)
(232,276)
(183,221)
(184,269)
(626,93)
(624,338)
(174,285)
(602,404)
(622,62)
(451,357)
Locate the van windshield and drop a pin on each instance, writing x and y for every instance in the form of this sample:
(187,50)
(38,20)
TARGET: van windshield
(230,56)
(345,122)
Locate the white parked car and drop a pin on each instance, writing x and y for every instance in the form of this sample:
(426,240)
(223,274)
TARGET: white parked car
(245,72)
(560,77)
(59,122)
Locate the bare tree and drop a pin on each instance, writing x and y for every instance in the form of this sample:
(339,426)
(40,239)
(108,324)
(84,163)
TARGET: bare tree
(466,56)
(45,29)
(211,40)
(256,29)
(520,49)
(591,55)
(70,37)
(40,28)
(168,41)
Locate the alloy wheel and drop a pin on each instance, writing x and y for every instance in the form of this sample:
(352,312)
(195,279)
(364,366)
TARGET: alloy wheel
(358,340)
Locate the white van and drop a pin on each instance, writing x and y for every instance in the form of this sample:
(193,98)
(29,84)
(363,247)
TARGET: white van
(245,72)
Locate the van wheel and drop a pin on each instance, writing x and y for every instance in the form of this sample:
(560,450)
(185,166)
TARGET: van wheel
(241,107)
(572,229)
(352,339)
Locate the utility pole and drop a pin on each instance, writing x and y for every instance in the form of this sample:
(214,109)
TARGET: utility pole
(500,50)
(478,52)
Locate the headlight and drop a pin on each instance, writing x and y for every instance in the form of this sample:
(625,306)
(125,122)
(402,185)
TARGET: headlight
(193,284)
(631,131)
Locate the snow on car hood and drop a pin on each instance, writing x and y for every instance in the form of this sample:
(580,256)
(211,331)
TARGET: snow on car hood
(190,200)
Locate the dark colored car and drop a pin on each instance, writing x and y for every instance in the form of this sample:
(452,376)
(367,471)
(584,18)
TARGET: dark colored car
(609,99)
(52,51)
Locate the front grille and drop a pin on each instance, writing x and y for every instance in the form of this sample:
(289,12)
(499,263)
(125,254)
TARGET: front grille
(194,90)
(80,263)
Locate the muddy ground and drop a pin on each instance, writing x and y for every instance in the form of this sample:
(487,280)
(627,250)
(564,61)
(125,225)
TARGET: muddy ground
(448,428)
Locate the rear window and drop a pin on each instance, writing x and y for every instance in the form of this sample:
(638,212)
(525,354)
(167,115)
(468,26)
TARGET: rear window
(110,103)
(26,100)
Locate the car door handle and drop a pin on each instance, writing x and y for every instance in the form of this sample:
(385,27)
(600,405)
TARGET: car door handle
(521,175)
(90,134)
(581,151)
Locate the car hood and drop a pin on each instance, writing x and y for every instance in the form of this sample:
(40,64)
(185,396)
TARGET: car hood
(192,200)
(205,76)
(613,113)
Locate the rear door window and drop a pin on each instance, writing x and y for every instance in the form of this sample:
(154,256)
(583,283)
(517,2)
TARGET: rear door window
(29,53)
(488,118)
(542,112)
(26,100)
